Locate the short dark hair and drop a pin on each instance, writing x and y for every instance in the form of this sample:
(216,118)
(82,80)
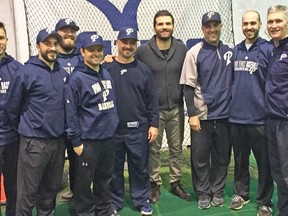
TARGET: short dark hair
(162,13)
(3,27)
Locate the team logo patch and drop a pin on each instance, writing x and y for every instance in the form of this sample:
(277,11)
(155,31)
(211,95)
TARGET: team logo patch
(129,31)
(227,56)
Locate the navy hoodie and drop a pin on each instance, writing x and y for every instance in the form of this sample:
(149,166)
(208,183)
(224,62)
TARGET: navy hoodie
(90,105)
(36,100)
(8,69)
(248,90)
(69,61)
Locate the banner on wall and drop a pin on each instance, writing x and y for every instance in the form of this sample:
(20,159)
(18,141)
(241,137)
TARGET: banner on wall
(139,13)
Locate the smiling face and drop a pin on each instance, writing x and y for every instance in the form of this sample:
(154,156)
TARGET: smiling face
(126,49)
(212,32)
(277,25)
(48,50)
(164,27)
(93,55)
(68,42)
(251,25)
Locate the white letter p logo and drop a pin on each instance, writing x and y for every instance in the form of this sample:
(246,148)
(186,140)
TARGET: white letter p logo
(129,31)
(94,37)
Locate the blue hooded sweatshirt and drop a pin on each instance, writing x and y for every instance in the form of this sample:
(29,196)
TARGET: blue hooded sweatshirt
(69,61)
(90,105)
(36,100)
(248,90)
(8,69)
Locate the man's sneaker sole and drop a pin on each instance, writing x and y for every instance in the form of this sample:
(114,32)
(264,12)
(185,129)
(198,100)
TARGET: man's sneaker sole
(204,207)
(146,213)
(213,204)
(240,207)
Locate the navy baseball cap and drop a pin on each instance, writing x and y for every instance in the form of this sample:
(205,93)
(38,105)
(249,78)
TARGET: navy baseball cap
(211,16)
(45,33)
(92,40)
(127,33)
(66,22)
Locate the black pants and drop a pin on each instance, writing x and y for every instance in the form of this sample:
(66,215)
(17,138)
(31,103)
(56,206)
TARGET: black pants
(72,163)
(8,166)
(40,170)
(278,153)
(210,157)
(245,138)
(94,165)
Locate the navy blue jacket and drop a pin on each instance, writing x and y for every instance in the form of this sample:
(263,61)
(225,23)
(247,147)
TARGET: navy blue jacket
(36,100)
(137,103)
(208,70)
(248,90)
(90,105)
(69,61)
(277,82)
(8,69)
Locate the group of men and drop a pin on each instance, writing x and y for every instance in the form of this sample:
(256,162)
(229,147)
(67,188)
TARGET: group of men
(122,108)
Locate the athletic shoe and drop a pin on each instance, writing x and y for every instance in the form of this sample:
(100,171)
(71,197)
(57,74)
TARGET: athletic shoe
(264,211)
(204,202)
(237,202)
(217,201)
(146,211)
(68,195)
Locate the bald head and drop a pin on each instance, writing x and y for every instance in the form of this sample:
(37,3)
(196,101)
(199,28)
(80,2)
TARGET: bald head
(251,24)
(252,13)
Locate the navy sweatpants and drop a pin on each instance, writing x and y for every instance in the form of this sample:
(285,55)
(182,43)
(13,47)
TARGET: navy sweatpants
(136,147)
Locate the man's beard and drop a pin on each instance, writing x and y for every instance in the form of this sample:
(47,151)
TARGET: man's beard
(68,47)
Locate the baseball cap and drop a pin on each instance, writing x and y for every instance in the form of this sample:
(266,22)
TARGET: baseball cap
(45,33)
(66,22)
(127,33)
(211,16)
(91,40)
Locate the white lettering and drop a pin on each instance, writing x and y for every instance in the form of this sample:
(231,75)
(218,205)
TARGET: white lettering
(106,105)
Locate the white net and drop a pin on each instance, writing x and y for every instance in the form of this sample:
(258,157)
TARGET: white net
(107,17)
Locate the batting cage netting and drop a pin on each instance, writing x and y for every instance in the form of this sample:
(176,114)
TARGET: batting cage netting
(108,17)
